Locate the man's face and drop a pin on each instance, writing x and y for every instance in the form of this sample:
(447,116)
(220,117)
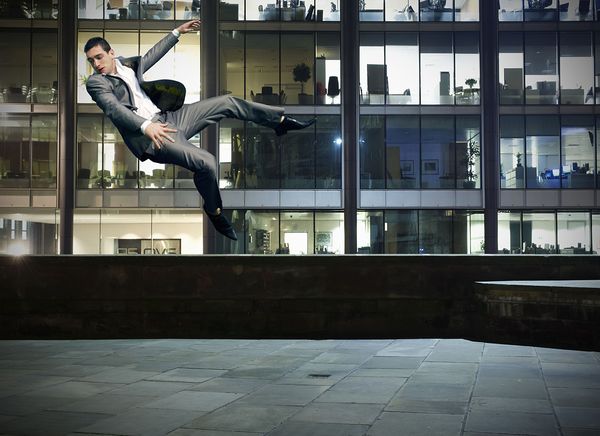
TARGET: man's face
(101,61)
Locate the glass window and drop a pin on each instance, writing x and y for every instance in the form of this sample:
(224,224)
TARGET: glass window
(541,73)
(576,10)
(595,233)
(328,68)
(42,9)
(373,71)
(437,10)
(438,160)
(542,158)
(298,159)
(468,152)
(297,69)
(263,231)
(177,231)
(331,9)
(578,151)
(182,62)
(541,10)
(43,151)
(435,231)
(119,165)
(437,68)
(154,10)
(372,161)
(227,246)
(86,231)
(468,232)
(370,232)
(574,232)
(466,10)
(231,50)
(401,10)
(328,159)
(262,157)
(401,232)
(122,231)
(509,232)
(15,66)
(512,152)
(84,69)
(44,71)
(510,64)
(231,154)
(231,10)
(89,151)
(262,67)
(371,10)
(91,9)
(329,232)
(467,67)
(28,231)
(403,152)
(297,235)
(576,68)
(597,68)
(187,9)
(539,234)
(510,10)
(14,151)
(402,60)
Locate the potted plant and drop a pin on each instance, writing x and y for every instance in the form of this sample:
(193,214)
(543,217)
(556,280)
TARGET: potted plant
(470,159)
(302,74)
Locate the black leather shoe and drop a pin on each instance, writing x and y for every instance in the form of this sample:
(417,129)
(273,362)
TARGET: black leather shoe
(289,123)
(222,225)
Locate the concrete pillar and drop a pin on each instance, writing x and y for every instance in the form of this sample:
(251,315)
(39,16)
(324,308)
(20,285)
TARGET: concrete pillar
(350,112)
(67,131)
(209,59)
(490,129)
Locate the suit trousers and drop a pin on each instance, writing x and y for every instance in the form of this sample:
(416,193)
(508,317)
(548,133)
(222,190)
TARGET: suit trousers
(191,119)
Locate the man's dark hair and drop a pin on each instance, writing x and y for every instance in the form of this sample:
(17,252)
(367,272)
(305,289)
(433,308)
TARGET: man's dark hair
(97,40)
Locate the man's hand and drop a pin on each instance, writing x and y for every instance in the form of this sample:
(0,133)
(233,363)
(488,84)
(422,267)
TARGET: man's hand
(158,133)
(189,26)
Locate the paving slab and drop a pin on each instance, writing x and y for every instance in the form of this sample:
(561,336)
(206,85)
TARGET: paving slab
(243,417)
(140,421)
(341,413)
(193,400)
(511,423)
(416,424)
(363,390)
(293,428)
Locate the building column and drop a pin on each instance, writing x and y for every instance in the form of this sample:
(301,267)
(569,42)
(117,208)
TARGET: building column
(490,129)
(209,61)
(67,131)
(350,108)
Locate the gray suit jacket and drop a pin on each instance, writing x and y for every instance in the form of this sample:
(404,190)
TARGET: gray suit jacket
(115,98)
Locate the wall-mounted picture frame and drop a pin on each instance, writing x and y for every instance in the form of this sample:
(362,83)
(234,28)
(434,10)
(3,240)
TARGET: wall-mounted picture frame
(430,166)
(407,168)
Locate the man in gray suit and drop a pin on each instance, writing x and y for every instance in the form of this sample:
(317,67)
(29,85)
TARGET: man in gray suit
(156,125)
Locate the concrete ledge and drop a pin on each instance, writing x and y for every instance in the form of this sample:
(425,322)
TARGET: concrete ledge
(375,296)
(546,312)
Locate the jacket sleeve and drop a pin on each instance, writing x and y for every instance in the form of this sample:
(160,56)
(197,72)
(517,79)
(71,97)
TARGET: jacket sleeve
(160,49)
(118,113)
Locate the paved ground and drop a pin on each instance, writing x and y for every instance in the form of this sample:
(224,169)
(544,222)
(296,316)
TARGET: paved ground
(329,388)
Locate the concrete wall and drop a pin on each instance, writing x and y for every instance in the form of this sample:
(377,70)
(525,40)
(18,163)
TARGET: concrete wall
(376,296)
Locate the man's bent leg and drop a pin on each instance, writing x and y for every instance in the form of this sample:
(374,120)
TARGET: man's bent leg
(192,118)
(202,163)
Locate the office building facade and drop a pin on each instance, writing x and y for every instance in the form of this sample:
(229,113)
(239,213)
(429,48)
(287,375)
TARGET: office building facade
(443,126)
